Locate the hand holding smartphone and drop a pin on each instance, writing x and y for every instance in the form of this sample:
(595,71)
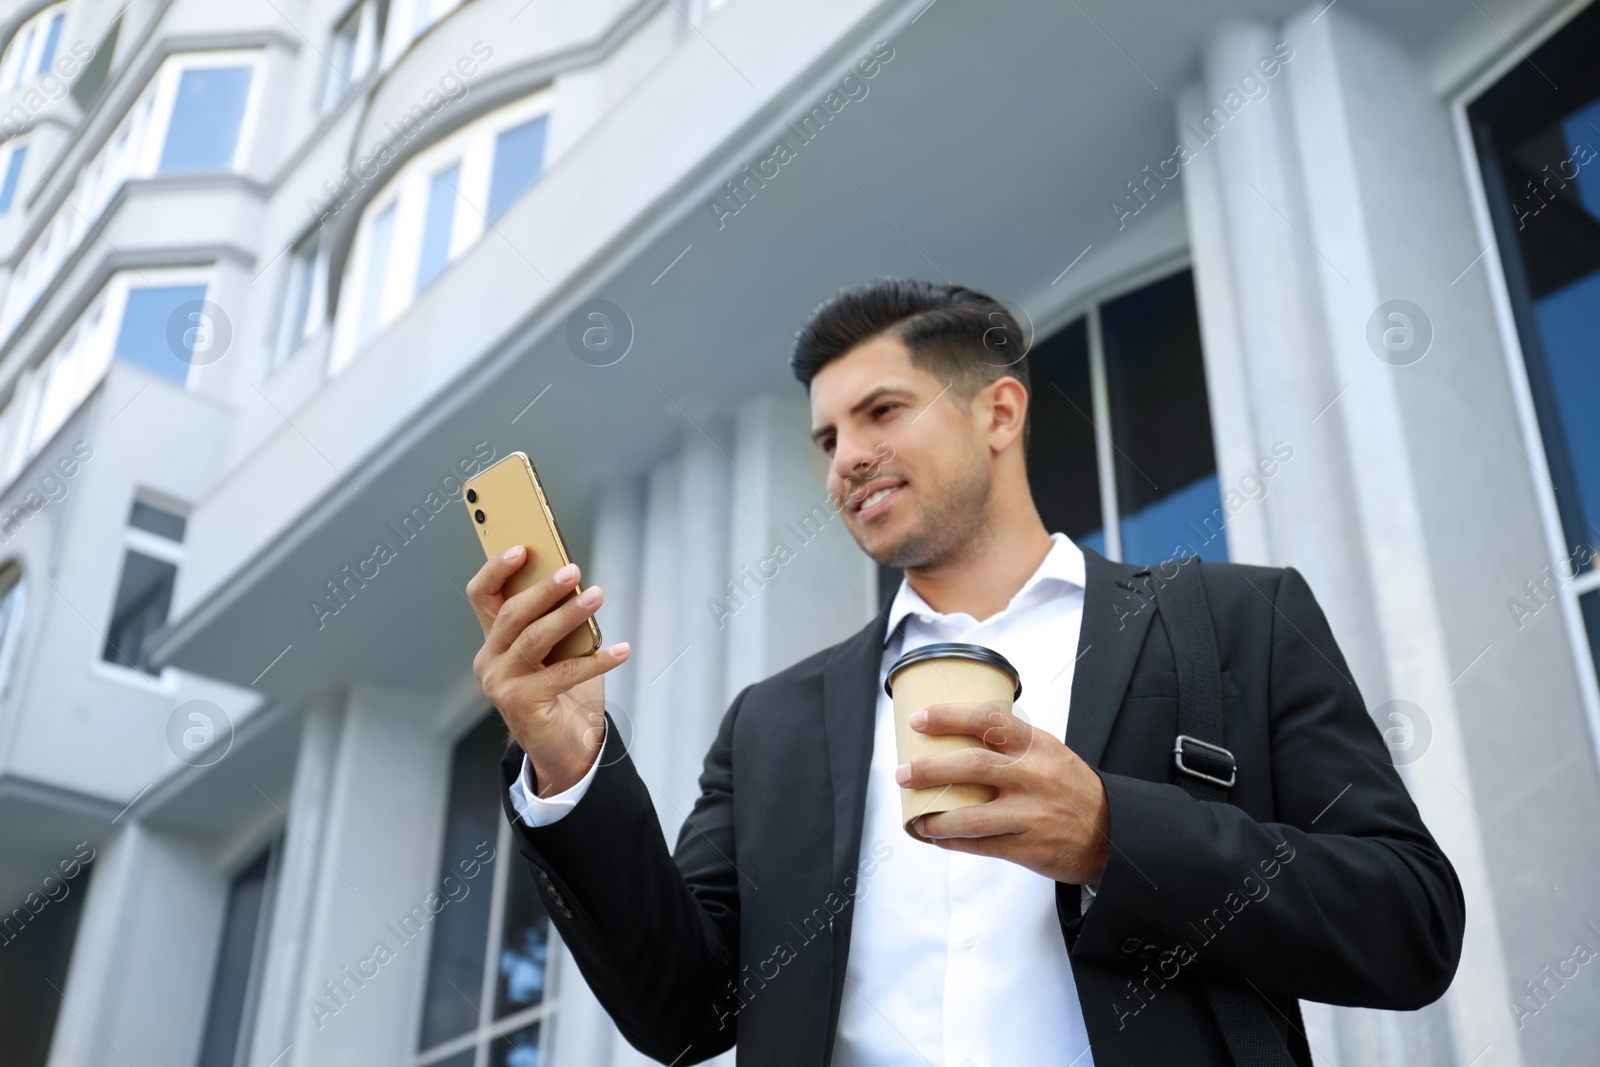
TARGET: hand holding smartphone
(508,507)
(541,663)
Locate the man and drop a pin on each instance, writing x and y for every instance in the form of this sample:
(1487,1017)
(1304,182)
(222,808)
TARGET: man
(1108,906)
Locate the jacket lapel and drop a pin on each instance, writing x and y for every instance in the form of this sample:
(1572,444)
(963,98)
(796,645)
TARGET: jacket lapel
(849,708)
(1116,614)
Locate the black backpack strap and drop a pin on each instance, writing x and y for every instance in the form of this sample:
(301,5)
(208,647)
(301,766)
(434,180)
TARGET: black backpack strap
(1206,770)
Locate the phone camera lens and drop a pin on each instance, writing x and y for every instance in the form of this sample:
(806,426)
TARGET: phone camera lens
(472,497)
(478,514)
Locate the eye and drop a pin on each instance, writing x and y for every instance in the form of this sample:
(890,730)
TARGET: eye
(883,409)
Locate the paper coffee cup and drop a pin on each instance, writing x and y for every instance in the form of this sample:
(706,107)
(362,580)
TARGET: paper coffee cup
(947,673)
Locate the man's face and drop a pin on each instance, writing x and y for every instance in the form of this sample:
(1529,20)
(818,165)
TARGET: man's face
(908,465)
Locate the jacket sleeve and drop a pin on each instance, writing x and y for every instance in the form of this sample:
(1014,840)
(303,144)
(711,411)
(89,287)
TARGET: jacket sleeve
(1346,899)
(656,935)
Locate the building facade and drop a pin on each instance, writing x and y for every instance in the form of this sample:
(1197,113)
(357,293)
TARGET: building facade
(1304,285)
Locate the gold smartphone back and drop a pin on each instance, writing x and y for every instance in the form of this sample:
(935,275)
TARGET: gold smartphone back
(507,506)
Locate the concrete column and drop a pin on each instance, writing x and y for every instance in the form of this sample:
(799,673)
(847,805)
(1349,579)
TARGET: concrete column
(300,872)
(1264,326)
(797,582)
(154,908)
(615,564)
(387,789)
(1290,262)
(696,680)
(656,641)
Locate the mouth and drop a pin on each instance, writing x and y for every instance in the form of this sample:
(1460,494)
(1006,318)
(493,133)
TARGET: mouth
(875,497)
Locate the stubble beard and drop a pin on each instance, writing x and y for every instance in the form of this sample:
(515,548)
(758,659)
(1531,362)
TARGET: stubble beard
(946,525)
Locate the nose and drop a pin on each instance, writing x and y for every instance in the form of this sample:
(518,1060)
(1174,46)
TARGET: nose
(852,459)
(854,464)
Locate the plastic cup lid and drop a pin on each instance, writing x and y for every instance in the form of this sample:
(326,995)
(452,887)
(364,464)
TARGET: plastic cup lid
(953,650)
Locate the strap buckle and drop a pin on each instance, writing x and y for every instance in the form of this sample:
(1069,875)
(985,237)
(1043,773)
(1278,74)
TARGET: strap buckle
(1218,757)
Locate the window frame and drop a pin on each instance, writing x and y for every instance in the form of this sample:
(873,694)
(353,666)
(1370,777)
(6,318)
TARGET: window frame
(313,323)
(1497,63)
(12,149)
(366,50)
(482,1036)
(155,547)
(166,82)
(403,25)
(132,152)
(32,36)
(1088,307)
(472,147)
(13,625)
(90,340)
(230,873)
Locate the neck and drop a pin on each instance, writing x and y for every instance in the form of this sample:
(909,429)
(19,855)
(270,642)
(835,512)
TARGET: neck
(984,573)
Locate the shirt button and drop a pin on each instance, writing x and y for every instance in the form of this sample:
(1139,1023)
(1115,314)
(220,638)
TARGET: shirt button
(968,1063)
(969,941)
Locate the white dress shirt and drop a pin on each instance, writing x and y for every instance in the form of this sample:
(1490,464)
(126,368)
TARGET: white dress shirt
(955,959)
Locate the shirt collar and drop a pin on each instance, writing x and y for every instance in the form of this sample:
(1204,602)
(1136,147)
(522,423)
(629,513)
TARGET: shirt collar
(1063,563)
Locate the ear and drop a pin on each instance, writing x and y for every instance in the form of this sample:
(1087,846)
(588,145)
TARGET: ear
(1005,408)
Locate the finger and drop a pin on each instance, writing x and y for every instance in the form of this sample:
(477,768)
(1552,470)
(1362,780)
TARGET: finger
(980,766)
(558,678)
(536,640)
(1000,846)
(483,592)
(976,821)
(523,608)
(988,722)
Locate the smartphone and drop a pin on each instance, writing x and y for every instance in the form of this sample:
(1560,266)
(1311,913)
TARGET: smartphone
(507,505)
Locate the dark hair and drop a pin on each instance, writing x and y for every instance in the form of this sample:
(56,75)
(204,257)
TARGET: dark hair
(960,334)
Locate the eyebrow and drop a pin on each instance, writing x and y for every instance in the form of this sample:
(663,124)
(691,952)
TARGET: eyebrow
(860,405)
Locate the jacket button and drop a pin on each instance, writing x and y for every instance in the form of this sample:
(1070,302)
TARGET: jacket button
(1146,951)
(1132,945)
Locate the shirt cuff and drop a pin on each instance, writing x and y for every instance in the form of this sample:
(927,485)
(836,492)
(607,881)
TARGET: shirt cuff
(539,811)
(1086,895)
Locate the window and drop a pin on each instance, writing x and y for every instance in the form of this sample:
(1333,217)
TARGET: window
(380,239)
(16,58)
(437,226)
(32,48)
(145,337)
(13,174)
(196,114)
(203,132)
(352,51)
(1539,150)
(486,996)
(436,206)
(52,37)
(305,307)
(230,1012)
(140,317)
(1120,453)
(154,547)
(518,158)
(34,959)
(409,19)
(13,608)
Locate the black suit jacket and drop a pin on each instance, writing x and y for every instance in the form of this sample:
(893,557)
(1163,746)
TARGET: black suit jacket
(1316,880)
